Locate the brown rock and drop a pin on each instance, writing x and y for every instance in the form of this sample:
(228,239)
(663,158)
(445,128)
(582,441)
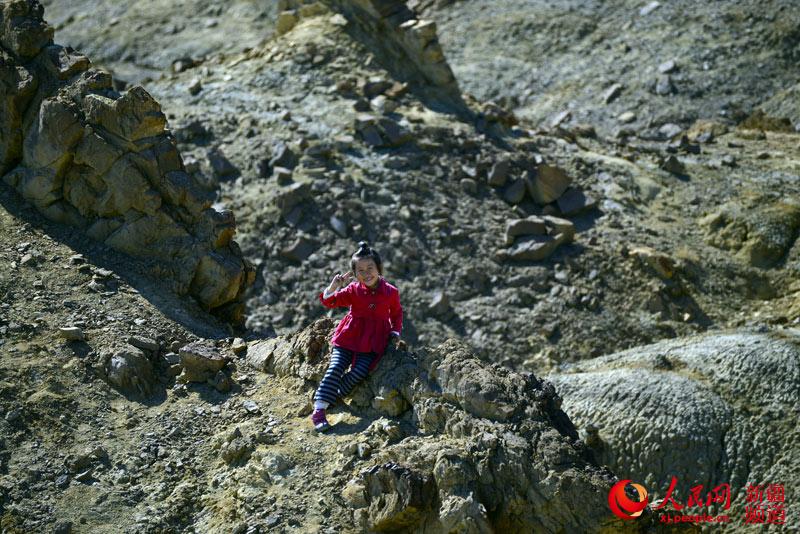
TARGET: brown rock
(548,184)
(515,192)
(529,226)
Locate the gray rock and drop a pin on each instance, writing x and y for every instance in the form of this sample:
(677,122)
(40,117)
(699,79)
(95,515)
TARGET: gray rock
(649,8)
(738,391)
(282,175)
(299,250)
(200,362)
(664,85)
(338,225)
(195,86)
(144,343)
(612,93)
(529,226)
(440,304)
(533,248)
(282,156)
(71,333)
(667,67)
(548,184)
(515,192)
(130,371)
(291,196)
(575,201)
(673,165)
(220,164)
(498,173)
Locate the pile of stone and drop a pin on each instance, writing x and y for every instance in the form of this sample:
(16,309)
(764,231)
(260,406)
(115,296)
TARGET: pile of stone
(535,238)
(104,162)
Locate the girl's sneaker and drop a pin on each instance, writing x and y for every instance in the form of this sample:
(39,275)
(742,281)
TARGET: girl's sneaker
(320,423)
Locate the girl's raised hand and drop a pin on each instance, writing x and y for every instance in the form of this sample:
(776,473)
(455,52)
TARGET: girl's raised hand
(339,280)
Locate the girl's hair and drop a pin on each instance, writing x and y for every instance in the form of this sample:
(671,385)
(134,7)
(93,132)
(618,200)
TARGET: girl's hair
(364,251)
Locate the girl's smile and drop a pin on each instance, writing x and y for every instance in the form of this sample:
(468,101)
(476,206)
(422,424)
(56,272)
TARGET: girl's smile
(367,272)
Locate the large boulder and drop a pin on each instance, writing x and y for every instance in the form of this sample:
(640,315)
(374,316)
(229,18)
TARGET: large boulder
(473,447)
(105,162)
(713,409)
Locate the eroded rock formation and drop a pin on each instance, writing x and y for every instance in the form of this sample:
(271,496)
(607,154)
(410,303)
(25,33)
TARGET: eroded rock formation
(717,408)
(462,445)
(105,162)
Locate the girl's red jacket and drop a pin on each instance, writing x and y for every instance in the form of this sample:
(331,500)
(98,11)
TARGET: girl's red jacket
(374,314)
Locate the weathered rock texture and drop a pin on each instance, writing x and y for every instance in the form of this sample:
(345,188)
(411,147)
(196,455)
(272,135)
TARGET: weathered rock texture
(104,162)
(472,447)
(407,45)
(718,408)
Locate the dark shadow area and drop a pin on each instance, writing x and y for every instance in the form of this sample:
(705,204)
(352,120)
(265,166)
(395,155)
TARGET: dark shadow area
(134,271)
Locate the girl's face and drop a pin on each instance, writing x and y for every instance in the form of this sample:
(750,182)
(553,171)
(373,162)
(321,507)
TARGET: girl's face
(367,271)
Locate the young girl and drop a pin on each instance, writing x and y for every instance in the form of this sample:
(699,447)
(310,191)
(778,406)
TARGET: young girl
(373,322)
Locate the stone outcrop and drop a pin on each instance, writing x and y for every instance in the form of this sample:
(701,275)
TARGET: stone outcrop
(105,163)
(717,408)
(760,232)
(406,44)
(470,447)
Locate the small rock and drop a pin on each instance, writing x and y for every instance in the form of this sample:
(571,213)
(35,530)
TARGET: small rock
(251,407)
(468,185)
(282,156)
(239,346)
(63,527)
(144,343)
(338,225)
(515,192)
(84,476)
(71,333)
(498,173)
(221,166)
(286,21)
(612,93)
(62,481)
(195,86)
(533,248)
(560,117)
(440,304)
(221,382)
(529,226)
(299,251)
(282,175)
(628,116)
(575,201)
(670,130)
(649,8)
(200,362)
(673,165)
(548,184)
(664,85)
(667,67)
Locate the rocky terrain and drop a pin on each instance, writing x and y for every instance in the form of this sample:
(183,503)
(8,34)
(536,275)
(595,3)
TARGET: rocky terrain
(548,184)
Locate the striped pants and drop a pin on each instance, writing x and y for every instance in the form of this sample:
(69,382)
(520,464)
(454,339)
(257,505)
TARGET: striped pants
(336,383)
